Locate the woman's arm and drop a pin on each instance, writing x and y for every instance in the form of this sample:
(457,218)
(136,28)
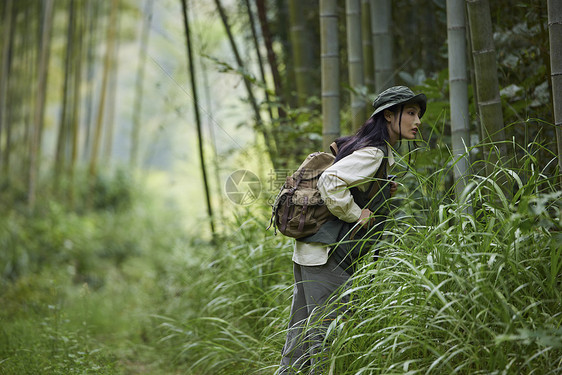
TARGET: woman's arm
(353,170)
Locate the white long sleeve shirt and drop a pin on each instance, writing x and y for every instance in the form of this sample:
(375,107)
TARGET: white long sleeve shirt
(356,169)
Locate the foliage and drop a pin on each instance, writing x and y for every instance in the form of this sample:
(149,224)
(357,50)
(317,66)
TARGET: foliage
(241,303)
(100,279)
(56,234)
(468,286)
(77,284)
(37,335)
(461,293)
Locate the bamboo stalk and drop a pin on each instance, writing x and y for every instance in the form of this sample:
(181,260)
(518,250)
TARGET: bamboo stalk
(330,65)
(137,111)
(7,26)
(271,57)
(39,113)
(458,90)
(355,61)
(301,51)
(112,96)
(555,37)
(31,57)
(193,76)
(211,126)
(77,61)
(366,38)
(487,85)
(381,18)
(93,7)
(106,70)
(258,55)
(64,123)
(5,109)
(269,142)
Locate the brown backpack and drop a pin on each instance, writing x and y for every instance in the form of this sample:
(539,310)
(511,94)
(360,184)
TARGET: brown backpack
(299,210)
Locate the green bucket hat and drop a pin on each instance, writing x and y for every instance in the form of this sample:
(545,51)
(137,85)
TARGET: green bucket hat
(398,95)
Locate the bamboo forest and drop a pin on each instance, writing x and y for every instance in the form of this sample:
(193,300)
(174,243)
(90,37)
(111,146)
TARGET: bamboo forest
(144,145)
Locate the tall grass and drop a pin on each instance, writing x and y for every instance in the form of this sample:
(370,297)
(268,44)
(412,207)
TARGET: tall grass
(238,304)
(469,288)
(77,284)
(464,286)
(468,294)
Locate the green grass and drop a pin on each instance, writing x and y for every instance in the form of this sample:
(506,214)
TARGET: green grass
(469,288)
(479,296)
(459,288)
(78,287)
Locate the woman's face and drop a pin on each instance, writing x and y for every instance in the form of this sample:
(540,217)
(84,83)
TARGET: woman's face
(408,127)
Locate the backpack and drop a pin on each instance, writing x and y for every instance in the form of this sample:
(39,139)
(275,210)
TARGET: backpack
(299,210)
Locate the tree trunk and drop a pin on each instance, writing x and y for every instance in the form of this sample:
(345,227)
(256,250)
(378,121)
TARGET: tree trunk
(193,76)
(381,18)
(67,97)
(30,59)
(10,94)
(366,37)
(112,94)
(7,46)
(458,90)
(39,113)
(487,86)
(302,51)
(106,71)
(77,62)
(92,42)
(355,61)
(330,67)
(137,107)
(555,37)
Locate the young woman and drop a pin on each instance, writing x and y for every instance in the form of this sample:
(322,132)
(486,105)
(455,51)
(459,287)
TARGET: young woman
(355,193)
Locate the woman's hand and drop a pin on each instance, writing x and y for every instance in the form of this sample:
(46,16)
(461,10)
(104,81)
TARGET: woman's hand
(393,188)
(363,221)
(364,217)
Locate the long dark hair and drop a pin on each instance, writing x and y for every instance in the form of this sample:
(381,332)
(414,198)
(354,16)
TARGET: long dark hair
(373,133)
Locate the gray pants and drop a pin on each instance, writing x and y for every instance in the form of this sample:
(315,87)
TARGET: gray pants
(313,291)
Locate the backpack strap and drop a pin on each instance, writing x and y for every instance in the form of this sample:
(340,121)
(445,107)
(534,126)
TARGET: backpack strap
(287,202)
(375,184)
(334,148)
(285,217)
(303,214)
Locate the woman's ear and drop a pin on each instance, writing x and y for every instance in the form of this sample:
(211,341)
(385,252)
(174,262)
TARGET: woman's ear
(388,115)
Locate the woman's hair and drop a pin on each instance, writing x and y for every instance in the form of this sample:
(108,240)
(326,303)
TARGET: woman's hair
(373,133)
